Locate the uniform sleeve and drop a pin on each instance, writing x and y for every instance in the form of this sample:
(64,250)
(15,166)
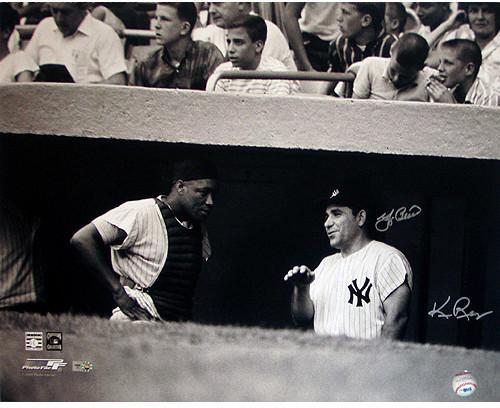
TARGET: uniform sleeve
(123,217)
(362,83)
(111,56)
(393,274)
(313,286)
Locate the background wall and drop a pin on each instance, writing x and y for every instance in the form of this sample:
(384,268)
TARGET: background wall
(266,219)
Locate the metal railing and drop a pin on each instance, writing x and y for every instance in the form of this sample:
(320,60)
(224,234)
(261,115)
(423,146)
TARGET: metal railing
(348,78)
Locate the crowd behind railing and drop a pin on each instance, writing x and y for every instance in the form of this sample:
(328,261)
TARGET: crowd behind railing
(427,52)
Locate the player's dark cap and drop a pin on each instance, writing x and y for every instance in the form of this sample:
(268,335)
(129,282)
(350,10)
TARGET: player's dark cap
(193,169)
(348,195)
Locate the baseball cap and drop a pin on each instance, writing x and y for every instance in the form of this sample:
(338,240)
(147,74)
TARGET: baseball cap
(193,169)
(348,195)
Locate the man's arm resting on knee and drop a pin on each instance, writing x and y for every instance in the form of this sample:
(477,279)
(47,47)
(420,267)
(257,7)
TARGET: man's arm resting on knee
(92,250)
(302,306)
(396,307)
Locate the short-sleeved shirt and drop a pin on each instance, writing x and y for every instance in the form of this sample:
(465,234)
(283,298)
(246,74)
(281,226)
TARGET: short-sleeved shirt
(348,292)
(92,54)
(143,253)
(344,51)
(372,82)
(276,45)
(255,86)
(481,94)
(15,63)
(157,70)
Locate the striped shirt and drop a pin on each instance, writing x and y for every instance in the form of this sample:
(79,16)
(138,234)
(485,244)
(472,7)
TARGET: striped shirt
(348,292)
(481,94)
(344,51)
(143,253)
(18,283)
(255,86)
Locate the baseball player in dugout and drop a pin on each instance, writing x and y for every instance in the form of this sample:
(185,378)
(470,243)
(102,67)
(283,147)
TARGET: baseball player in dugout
(157,246)
(362,291)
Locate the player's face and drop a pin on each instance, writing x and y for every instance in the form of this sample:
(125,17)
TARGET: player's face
(482,20)
(67,17)
(341,226)
(349,20)
(431,14)
(198,198)
(242,52)
(169,28)
(452,71)
(224,13)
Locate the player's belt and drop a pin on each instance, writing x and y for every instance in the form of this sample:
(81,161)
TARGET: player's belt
(131,284)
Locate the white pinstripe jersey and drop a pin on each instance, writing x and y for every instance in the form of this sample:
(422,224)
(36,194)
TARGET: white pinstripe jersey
(143,253)
(348,293)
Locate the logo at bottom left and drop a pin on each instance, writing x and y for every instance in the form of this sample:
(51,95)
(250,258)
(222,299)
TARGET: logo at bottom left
(43,366)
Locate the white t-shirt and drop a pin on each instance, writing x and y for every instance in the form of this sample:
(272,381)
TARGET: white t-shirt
(276,44)
(348,293)
(13,64)
(92,54)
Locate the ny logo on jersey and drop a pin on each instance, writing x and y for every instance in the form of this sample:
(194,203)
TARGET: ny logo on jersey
(355,290)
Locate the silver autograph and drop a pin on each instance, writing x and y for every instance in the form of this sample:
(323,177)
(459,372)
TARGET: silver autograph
(459,310)
(385,221)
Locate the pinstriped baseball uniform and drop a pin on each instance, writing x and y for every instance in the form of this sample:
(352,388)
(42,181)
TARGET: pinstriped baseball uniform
(18,284)
(143,254)
(348,292)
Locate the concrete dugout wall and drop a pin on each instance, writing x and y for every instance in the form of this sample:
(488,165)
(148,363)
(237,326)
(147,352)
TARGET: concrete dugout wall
(75,151)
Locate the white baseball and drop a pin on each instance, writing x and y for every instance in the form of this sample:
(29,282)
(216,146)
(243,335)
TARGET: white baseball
(464,384)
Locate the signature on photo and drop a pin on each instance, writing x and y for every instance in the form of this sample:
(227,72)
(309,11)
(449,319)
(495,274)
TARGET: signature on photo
(385,221)
(459,310)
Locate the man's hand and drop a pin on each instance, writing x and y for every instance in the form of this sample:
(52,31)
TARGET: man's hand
(130,307)
(300,276)
(439,92)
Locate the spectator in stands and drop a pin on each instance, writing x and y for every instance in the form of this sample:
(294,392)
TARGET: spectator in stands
(484,21)
(180,62)
(226,14)
(246,41)
(89,49)
(362,35)
(16,66)
(395,18)
(401,77)
(311,27)
(435,19)
(458,82)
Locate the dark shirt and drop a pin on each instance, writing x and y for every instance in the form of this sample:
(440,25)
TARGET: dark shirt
(157,71)
(344,51)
